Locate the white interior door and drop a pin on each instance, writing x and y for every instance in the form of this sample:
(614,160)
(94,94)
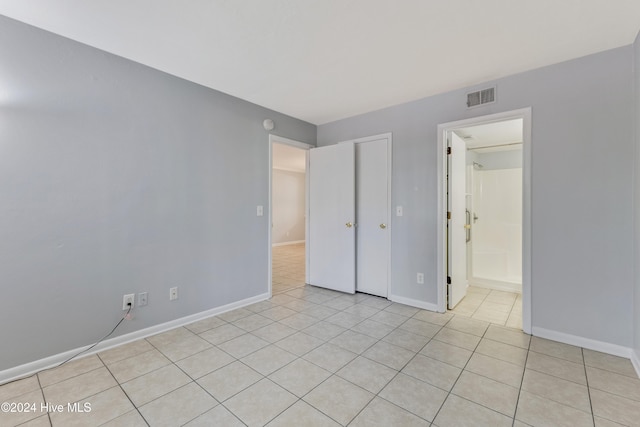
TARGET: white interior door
(372,241)
(457,236)
(332,247)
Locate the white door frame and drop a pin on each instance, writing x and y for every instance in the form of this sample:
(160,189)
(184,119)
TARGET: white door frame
(443,128)
(304,146)
(389,137)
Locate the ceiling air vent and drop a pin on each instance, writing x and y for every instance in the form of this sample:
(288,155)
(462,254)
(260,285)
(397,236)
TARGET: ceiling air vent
(481,97)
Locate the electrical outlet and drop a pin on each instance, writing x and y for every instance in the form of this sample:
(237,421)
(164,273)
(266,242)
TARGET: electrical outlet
(173,293)
(142,299)
(127,301)
(420,278)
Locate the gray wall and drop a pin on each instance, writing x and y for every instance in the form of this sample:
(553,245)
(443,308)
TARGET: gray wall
(116,178)
(636,217)
(582,176)
(288,206)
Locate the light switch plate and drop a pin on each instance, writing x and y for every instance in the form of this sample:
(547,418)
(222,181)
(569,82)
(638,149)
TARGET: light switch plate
(398,210)
(260,210)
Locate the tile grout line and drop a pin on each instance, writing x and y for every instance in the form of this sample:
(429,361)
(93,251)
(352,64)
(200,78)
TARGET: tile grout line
(586,377)
(524,370)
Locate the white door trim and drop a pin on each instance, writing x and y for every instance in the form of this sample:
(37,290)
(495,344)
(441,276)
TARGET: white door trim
(304,146)
(525,114)
(389,137)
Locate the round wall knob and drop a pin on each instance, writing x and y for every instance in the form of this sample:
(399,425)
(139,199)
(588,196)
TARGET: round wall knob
(349,225)
(383,226)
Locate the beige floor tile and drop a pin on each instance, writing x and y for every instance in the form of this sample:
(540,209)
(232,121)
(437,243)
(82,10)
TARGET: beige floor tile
(372,328)
(389,318)
(222,334)
(556,349)
(339,399)
(354,342)
(140,364)
(253,322)
(69,370)
(508,336)
(459,339)
(369,375)
(457,411)
(538,411)
(41,421)
(501,351)
(299,321)
(277,313)
(130,419)
(282,299)
(16,415)
(324,330)
(260,306)
(496,369)
(557,367)
(239,313)
(415,396)
(361,310)
(402,309)
(79,387)
(614,383)
(274,332)
(490,315)
(19,388)
(300,377)
(556,389)
(601,422)
(420,327)
(178,407)
(125,351)
(380,413)
(514,321)
(218,416)
(299,343)
(181,347)
(406,339)
(243,345)
(268,359)
(227,381)
(148,387)
(432,371)
(469,326)
(168,337)
(440,319)
(302,414)
(377,302)
(487,392)
(260,403)
(206,361)
(205,324)
(330,357)
(447,353)
(388,354)
(102,407)
(615,408)
(609,362)
(495,306)
(320,312)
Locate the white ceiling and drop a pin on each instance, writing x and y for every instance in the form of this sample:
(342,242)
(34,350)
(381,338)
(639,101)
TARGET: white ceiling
(492,134)
(322,60)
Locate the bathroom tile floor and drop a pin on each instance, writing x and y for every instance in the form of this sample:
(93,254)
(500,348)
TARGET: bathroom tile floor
(314,357)
(499,307)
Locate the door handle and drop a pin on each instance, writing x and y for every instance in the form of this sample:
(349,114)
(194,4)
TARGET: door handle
(383,226)
(349,224)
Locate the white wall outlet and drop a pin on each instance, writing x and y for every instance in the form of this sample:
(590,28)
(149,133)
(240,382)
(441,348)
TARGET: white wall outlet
(173,293)
(142,299)
(127,301)
(399,211)
(259,210)
(420,278)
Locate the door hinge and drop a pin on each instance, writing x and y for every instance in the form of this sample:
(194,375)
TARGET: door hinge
(448,215)
(448,280)
(448,150)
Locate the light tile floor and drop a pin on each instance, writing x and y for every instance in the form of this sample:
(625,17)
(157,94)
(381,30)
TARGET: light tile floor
(288,267)
(315,357)
(499,307)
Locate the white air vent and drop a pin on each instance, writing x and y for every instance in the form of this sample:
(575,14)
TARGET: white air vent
(481,97)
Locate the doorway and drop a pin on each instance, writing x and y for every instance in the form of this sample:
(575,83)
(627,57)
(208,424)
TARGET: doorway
(287,214)
(484,216)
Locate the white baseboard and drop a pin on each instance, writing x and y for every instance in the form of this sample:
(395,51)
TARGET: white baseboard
(601,346)
(51,361)
(635,360)
(414,303)
(496,285)
(293,242)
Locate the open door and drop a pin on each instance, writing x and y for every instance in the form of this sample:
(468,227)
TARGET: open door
(457,224)
(332,245)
